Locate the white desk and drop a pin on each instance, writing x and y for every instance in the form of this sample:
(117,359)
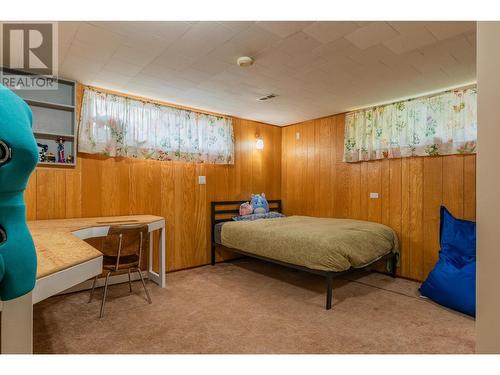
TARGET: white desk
(65,261)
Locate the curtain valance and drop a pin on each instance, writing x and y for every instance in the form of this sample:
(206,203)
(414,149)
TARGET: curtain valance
(440,124)
(118,126)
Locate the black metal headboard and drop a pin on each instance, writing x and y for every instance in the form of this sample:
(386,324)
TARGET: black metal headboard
(221,211)
(232,208)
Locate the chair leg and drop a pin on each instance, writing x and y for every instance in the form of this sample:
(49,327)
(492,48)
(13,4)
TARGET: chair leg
(129,282)
(93,288)
(104,295)
(144,285)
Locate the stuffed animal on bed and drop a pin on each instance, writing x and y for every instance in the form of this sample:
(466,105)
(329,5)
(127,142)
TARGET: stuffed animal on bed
(259,203)
(246,209)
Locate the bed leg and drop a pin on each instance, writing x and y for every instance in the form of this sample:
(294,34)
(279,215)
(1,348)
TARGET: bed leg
(212,254)
(329,287)
(394,264)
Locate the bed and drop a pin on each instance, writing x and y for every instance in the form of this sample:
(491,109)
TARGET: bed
(323,246)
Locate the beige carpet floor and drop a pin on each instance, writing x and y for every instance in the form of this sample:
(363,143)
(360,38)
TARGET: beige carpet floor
(253,307)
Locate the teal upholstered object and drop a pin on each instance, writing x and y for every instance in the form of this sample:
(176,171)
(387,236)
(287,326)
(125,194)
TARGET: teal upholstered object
(17,252)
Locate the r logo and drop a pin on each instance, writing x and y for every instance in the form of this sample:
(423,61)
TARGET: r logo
(30,47)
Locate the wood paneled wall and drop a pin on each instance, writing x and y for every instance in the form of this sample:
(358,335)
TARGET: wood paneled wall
(307,173)
(101,186)
(316,182)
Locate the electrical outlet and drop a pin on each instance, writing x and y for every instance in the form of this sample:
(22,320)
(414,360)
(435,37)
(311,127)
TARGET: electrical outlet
(373,195)
(202,180)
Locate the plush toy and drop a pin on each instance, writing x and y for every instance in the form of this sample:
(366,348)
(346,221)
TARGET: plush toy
(246,209)
(259,203)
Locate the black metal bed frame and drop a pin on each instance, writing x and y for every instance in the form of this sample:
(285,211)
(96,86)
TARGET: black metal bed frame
(275,205)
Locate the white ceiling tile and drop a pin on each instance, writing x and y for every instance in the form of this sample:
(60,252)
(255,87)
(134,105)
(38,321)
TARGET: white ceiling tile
(283,28)
(256,39)
(170,77)
(237,26)
(194,75)
(298,43)
(305,61)
(252,42)
(110,75)
(373,33)
(339,47)
(314,68)
(340,64)
(67,31)
(459,48)
(413,35)
(88,51)
(230,51)
(147,33)
(273,59)
(446,29)
(326,32)
(202,38)
(210,66)
(405,59)
(370,55)
(407,27)
(471,38)
(122,67)
(173,59)
(137,54)
(74,64)
(429,63)
(466,71)
(96,36)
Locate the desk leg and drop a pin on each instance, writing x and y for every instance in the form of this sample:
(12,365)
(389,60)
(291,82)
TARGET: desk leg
(163,258)
(17,325)
(150,258)
(158,278)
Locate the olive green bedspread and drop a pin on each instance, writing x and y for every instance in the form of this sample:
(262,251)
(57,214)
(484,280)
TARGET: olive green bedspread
(316,243)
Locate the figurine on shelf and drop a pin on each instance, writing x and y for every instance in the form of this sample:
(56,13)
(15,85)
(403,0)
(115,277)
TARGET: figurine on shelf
(42,151)
(51,158)
(69,159)
(60,150)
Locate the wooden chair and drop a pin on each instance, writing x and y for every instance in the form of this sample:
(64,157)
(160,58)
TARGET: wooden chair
(123,249)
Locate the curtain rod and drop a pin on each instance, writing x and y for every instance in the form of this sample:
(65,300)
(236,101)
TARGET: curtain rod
(467,86)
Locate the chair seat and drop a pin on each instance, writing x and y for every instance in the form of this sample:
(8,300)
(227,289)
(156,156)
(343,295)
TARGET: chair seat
(109,262)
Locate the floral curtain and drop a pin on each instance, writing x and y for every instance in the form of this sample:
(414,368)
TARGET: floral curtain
(441,124)
(118,126)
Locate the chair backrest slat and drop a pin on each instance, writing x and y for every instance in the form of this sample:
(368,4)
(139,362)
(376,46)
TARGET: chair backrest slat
(126,240)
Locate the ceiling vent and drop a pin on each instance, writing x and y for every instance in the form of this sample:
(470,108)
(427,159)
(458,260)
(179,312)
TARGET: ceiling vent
(266,97)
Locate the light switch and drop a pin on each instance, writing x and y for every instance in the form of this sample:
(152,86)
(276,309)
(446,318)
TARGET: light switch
(202,180)
(373,195)
(297,136)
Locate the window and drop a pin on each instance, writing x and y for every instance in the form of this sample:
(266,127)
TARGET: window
(441,124)
(119,126)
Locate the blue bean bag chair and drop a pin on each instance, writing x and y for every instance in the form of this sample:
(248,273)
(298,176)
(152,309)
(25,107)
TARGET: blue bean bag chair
(452,282)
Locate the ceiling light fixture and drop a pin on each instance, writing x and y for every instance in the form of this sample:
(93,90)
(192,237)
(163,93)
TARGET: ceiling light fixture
(259,142)
(245,61)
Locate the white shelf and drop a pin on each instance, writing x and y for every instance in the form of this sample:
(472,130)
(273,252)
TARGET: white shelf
(47,163)
(61,107)
(55,136)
